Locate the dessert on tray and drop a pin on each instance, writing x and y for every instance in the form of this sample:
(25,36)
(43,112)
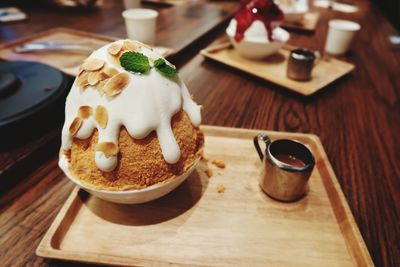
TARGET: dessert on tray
(294,10)
(254,30)
(130,121)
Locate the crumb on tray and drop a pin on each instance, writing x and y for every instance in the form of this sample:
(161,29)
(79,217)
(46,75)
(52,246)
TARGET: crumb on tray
(209,172)
(220,188)
(219,163)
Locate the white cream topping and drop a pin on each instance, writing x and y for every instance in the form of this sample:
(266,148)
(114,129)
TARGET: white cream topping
(146,104)
(258,33)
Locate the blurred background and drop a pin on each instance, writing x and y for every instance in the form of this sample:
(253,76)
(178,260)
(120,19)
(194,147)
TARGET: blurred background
(391,9)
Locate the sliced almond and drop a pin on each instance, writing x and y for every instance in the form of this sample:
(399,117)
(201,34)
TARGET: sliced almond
(116,84)
(75,126)
(115,48)
(131,45)
(145,45)
(114,59)
(80,70)
(102,75)
(220,188)
(219,163)
(93,64)
(209,173)
(100,86)
(108,148)
(101,116)
(82,80)
(109,71)
(95,77)
(84,112)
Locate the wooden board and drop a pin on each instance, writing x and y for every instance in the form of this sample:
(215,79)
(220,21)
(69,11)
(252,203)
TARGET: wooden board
(308,23)
(66,61)
(273,68)
(197,226)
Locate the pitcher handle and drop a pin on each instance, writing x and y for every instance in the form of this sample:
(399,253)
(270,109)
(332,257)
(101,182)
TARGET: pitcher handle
(318,58)
(264,137)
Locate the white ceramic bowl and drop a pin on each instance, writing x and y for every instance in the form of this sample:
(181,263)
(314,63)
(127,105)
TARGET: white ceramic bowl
(139,195)
(255,44)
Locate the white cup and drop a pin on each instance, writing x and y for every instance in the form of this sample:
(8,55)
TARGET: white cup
(141,24)
(131,4)
(340,35)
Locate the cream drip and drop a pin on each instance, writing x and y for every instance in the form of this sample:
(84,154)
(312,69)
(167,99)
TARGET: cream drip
(146,104)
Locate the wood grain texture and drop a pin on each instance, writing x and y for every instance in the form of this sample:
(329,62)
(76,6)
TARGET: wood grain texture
(241,226)
(19,154)
(177,27)
(357,119)
(273,68)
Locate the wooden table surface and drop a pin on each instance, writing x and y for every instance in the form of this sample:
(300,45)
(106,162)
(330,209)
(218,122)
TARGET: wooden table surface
(357,119)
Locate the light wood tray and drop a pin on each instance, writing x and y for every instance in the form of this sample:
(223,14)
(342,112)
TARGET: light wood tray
(273,69)
(197,226)
(66,61)
(309,22)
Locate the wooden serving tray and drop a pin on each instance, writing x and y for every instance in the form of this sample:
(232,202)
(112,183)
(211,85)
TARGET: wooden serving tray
(273,68)
(309,22)
(66,61)
(196,226)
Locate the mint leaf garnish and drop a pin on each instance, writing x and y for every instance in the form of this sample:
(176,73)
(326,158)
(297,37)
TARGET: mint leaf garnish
(162,67)
(135,62)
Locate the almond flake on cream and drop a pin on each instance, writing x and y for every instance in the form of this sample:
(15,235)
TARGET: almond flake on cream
(101,116)
(82,80)
(109,149)
(114,48)
(116,84)
(84,112)
(93,64)
(75,126)
(110,72)
(131,46)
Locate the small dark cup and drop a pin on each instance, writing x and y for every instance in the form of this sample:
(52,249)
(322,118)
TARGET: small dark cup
(284,178)
(300,64)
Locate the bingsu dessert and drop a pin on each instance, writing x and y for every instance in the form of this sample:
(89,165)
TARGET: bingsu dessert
(130,122)
(254,30)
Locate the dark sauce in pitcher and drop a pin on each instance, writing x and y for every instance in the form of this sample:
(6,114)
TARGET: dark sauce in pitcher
(265,11)
(290,160)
